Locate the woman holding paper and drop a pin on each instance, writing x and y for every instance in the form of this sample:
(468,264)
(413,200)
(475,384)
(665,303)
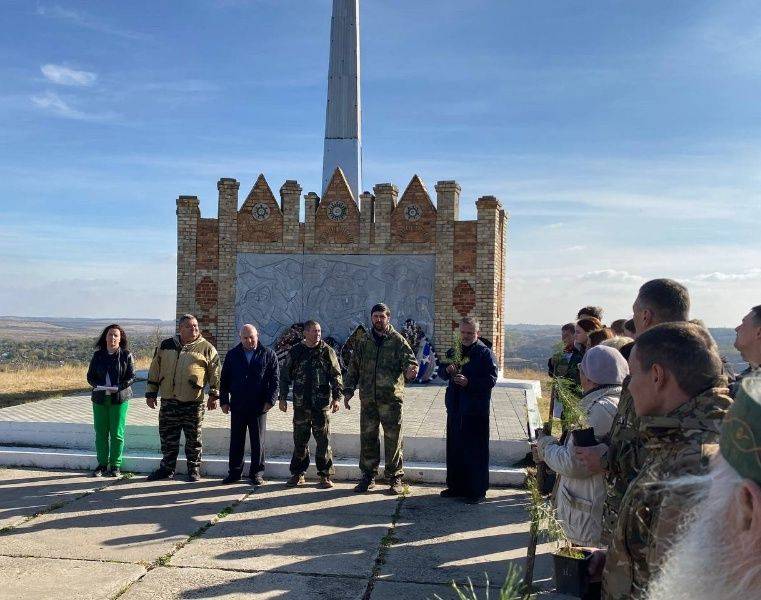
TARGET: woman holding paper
(111,374)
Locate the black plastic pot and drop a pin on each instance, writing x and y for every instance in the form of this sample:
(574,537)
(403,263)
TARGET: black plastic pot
(584,438)
(572,574)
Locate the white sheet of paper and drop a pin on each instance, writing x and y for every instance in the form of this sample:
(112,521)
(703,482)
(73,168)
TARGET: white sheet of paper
(103,388)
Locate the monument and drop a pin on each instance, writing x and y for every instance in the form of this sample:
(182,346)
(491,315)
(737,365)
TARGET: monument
(343,114)
(259,264)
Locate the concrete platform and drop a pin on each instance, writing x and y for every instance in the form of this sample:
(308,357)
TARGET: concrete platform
(165,540)
(58,433)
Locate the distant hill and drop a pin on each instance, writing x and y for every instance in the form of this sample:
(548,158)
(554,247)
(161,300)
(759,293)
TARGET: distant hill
(531,345)
(526,345)
(42,341)
(23,329)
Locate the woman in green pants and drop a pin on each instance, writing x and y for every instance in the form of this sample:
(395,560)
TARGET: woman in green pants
(111,374)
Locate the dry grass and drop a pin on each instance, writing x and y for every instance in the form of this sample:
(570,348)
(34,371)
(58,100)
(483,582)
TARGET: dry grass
(544,380)
(35,383)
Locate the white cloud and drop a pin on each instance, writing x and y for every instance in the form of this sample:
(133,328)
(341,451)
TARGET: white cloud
(750,274)
(611,275)
(554,226)
(53,103)
(66,76)
(86,21)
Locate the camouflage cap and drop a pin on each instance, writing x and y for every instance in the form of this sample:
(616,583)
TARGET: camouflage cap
(740,441)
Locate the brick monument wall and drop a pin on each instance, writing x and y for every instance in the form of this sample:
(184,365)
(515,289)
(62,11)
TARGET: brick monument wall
(468,257)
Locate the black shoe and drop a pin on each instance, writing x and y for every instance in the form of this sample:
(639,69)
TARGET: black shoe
(100,471)
(160,473)
(366,483)
(476,500)
(231,479)
(257,479)
(395,486)
(115,472)
(449,493)
(194,475)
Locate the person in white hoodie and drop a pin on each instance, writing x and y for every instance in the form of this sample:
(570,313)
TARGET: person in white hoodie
(581,493)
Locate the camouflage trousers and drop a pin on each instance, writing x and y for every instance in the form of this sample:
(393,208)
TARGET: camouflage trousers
(316,422)
(372,414)
(176,417)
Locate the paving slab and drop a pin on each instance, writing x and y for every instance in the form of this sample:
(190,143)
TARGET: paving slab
(440,539)
(45,578)
(169,583)
(131,521)
(391,590)
(26,492)
(325,532)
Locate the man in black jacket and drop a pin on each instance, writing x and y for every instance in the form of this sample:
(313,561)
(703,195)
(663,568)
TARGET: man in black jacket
(472,373)
(248,389)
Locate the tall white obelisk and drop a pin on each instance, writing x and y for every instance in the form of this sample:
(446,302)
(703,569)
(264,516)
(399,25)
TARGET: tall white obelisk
(343,120)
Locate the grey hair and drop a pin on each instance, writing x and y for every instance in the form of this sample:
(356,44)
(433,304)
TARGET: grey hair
(186,317)
(470,321)
(699,549)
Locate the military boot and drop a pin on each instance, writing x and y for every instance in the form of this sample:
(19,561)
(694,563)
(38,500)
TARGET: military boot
(295,480)
(325,482)
(194,474)
(366,483)
(160,473)
(395,486)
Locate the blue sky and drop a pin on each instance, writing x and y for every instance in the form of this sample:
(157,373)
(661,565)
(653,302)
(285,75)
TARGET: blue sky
(622,138)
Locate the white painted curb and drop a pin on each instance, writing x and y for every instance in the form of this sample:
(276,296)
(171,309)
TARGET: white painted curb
(216,466)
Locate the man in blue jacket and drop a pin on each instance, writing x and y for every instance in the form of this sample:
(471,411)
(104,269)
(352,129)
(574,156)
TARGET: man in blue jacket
(248,389)
(472,373)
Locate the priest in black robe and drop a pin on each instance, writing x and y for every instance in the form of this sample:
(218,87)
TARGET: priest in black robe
(471,373)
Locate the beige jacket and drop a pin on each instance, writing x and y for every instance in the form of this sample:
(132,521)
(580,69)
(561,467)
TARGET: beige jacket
(581,495)
(181,372)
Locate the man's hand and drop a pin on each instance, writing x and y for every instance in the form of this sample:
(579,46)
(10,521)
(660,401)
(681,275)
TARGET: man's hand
(460,380)
(151,402)
(347,397)
(225,408)
(535,453)
(283,405)
(591,457)
(411,372)
(452,369)
(268,406)
(335,405)
(211,403)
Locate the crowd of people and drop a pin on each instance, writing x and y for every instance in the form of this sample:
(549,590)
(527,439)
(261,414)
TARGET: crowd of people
(666,499)
(251,381)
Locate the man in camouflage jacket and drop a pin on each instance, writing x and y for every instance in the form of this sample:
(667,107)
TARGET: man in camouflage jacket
(313,369)
(379,366)
(180,369)
(680,397)
(623,453)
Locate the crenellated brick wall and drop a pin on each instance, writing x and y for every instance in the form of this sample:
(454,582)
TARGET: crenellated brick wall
(469,255)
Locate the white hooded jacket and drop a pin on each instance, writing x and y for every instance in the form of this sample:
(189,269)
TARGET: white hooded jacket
(581,495)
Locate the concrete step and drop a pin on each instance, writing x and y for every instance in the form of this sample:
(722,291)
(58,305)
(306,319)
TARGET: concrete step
(216,441)
(215,465)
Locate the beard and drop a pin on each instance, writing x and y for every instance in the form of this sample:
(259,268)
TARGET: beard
(706,563)
(380,328)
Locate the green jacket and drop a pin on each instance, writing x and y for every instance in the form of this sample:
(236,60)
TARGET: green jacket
(650,514)
(626,454)
(378,369)
(314,373)
(181,372)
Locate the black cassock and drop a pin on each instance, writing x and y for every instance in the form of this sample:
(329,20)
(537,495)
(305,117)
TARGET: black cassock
(468,422)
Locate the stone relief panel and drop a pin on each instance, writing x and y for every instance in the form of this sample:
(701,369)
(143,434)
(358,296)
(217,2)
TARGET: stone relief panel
(273,291)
